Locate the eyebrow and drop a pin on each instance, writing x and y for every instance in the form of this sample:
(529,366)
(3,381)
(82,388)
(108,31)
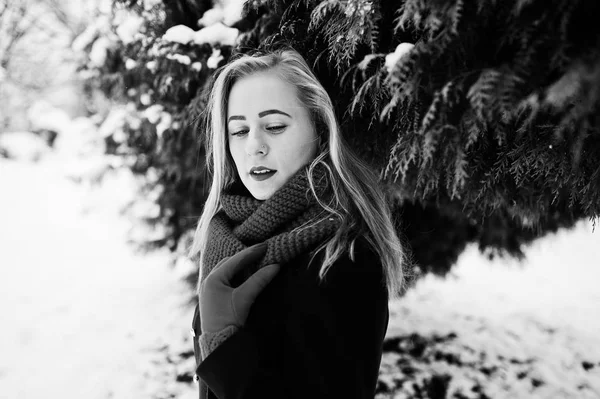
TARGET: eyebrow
(260,115)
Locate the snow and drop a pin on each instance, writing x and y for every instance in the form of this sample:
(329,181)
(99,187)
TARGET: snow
(216,34)
(233,11)
(100,27)
(25,146)
(129,27)
(79,135)
(151,65)
(165,123)
(214,59)
(543,312)
(130,64)
(113,122)
(133,122)
(197,66)
(392,59)
(99,51)
(153,113)
(211,17)
(145,99)
(43,115)
(228,12)
(182,59)
(85,38)
(90,317)
(105,7)
(179,34)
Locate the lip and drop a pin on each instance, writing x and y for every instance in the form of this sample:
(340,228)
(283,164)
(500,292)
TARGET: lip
(259,168)
(263,176)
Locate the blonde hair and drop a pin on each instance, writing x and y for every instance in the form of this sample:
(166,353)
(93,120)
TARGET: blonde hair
(360,204)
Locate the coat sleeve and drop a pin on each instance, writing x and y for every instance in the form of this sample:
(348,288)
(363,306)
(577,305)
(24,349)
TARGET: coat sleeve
(332,345)
(209,341)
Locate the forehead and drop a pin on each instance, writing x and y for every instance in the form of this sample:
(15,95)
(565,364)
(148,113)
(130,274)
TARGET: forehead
(261,91)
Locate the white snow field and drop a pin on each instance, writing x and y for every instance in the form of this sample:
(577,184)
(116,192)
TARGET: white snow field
(85,316)
(536,323)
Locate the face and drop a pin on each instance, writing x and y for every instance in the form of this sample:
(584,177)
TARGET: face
(268,130)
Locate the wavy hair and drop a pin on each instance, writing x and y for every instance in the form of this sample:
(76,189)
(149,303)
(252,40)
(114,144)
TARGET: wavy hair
(359,203)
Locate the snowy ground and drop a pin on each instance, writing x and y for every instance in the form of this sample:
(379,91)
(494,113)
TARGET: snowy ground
(84,316)
(508,330)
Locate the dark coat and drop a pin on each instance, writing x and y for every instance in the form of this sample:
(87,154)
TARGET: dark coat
(302,340)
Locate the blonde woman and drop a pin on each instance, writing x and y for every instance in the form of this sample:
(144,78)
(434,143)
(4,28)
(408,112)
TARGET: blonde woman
(298,252)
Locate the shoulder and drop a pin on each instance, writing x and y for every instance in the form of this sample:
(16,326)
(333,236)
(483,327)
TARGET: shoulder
(360,264)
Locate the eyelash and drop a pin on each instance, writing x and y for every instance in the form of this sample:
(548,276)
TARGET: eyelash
(276,128)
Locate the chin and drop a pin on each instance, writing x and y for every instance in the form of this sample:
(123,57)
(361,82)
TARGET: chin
(262,193)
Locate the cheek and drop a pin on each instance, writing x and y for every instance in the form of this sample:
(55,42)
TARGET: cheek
(299,153)
(309,148)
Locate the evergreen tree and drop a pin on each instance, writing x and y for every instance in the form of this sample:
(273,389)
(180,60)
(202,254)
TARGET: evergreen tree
(481,116)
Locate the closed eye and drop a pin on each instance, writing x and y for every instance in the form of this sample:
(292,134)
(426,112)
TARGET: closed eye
(276,128)
(239,132)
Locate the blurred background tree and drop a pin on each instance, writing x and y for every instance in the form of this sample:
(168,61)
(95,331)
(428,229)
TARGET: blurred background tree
(37,69)
(482,117)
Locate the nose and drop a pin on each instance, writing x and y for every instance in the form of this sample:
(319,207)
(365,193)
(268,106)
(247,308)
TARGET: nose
(256,145)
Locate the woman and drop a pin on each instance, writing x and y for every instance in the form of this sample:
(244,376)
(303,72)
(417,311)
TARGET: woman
(298,252)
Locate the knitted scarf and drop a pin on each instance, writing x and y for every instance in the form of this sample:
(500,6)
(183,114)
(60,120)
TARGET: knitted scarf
(245,221)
